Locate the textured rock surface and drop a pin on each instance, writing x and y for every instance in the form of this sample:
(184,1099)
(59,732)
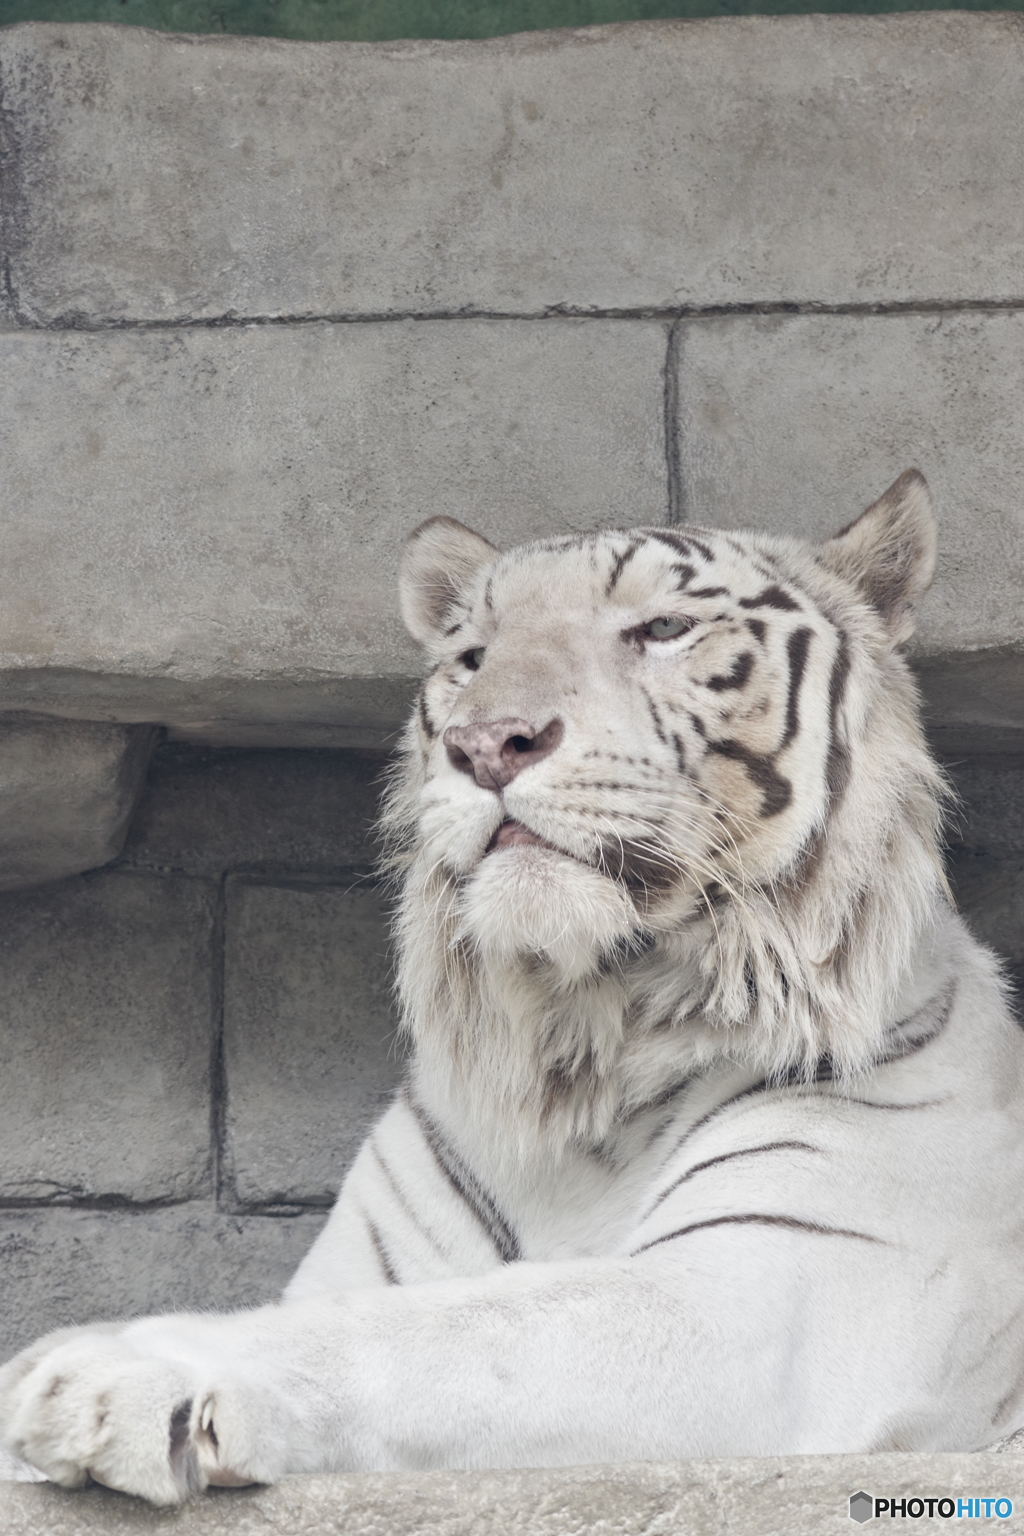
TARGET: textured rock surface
(310,1048)
(80,1266)
(107,1017)
(780,1496)
(67,793)
(205,524)
(835,160)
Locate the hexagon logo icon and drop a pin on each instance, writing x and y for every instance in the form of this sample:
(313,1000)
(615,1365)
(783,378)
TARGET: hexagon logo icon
(862,1506)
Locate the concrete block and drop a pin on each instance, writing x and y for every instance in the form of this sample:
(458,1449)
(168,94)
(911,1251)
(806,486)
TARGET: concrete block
(989,817)
(973,700)
(310,1050)
(67,793)
(205,525)
(986,856)
(61,1266)
(106,1036)
(795,424)
(811,159)
(748,1496)
(206,811)
(990,893)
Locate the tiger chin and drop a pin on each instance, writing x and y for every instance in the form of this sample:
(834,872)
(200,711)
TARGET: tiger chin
(712,1140)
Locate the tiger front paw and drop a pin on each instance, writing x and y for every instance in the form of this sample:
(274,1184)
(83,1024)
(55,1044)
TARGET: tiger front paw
(89,1405)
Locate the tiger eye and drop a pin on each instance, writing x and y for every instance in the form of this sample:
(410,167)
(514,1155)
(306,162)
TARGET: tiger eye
(473,659)
(666,628)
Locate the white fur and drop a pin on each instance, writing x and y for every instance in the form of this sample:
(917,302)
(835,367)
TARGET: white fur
(713,1142)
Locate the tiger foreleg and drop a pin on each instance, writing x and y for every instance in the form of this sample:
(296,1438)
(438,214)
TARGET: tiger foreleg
(541,1364)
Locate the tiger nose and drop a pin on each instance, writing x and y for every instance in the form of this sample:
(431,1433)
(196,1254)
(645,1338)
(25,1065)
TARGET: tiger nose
(496,750)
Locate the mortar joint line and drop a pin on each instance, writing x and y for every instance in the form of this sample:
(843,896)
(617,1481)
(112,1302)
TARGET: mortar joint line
(218,1068)
(673,428)
(673,314)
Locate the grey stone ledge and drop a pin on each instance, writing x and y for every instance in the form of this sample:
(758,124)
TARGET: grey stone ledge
(654,166)
(205,525)
(776,1496)
(218,709)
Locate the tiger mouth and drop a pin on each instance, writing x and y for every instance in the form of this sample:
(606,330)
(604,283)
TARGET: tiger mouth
(640,871)
(513,834)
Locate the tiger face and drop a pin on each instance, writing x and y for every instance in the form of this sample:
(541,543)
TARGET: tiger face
(672,756)
(655,705)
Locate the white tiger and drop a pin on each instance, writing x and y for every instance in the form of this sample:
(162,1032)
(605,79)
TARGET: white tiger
(713,1138)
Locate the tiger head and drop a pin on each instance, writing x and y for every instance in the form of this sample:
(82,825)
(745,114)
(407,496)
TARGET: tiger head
(664,794)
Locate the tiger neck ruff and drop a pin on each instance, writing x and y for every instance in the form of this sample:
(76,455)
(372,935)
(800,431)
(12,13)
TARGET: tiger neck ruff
(712,1142)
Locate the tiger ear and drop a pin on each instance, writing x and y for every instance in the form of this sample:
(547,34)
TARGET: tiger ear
(889,552)
(439,560)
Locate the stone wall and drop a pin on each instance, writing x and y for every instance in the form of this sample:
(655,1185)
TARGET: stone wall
(268,304)
(194,1039)
(265,306)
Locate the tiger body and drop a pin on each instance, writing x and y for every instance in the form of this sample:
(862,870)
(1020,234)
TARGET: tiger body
(712,1141)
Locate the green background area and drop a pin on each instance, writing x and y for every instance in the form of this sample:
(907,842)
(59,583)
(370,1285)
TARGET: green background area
(376,20)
